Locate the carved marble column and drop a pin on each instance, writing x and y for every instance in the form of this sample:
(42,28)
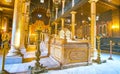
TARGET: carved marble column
(73,24)
(62,24)
(27,9)
(63,6)
(56,15)
(23,26)
(15,41)
(56,28)
(93,25)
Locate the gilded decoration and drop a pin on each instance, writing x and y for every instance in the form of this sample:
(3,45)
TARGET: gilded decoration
(38,25)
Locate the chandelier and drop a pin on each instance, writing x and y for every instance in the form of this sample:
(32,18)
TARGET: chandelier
(56,1)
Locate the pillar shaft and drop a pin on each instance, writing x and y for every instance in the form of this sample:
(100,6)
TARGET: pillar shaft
(73,24)
(56,12)
(22,27)
(93,24)
(16,29)
(63,6)
(55,28)
(27,7)
(62,20)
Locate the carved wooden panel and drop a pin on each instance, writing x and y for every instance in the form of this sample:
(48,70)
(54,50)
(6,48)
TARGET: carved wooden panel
(77,55)
(58,52)
(69,53)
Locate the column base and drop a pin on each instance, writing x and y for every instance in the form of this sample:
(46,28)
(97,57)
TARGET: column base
(110,58)
(93,52)
(23,50)
(4,72)
(37,69)
(14,52)
(99,61)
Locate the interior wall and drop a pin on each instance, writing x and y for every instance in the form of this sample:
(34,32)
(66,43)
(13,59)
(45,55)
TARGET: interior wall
(116,22)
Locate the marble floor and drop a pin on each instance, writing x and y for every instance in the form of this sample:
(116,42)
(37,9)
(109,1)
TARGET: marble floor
(48,62)
(110,67)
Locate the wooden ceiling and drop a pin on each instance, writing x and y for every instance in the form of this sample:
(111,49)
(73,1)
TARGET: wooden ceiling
(6,8)
(102,6)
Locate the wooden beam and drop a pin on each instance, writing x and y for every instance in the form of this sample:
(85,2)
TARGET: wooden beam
(6,6)
(109,4)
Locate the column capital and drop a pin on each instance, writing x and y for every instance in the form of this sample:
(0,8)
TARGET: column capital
(56,8)
(90,1)
(62,18)
(55,23)
(73,12)
(63,0)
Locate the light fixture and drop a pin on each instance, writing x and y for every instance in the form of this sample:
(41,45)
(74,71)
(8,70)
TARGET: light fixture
(83,21)
(8,0)
(89,18)
(109,0)
(1,9)
(56,1)
(81,13)
(97,18)
(39,15)
(41,1)
(67,20)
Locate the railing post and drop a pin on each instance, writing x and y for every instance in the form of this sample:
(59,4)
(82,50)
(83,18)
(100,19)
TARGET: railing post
(110,58)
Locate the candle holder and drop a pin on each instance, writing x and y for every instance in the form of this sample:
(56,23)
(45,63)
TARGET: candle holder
(4,47)
(38,68)
(98,60)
